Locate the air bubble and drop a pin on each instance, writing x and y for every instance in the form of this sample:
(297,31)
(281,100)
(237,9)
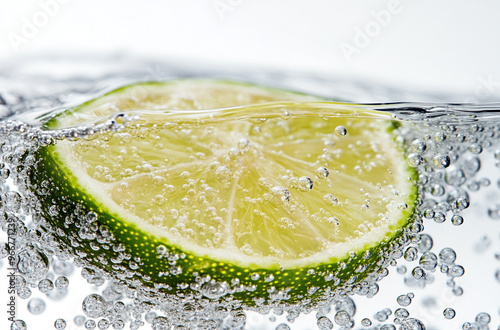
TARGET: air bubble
(18,325)
(33,264)
(322,172)
(61,282)
(456,271)
(447,255)
(305,183)
(494,212)
(160,323)
(404,300)
(418,146)
(483,318)
(324,323)
(366,322)
(441,161)
(214,290)
(457,220)
(79,320)
(60,324)
(449,313)
(342,317)
(45,286)
(36,306)
(90,324)
(94,306)
(415,160)
(283,326)
(282,193)
(340,131)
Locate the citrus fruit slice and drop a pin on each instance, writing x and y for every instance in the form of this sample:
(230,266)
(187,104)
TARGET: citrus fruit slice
(206,187)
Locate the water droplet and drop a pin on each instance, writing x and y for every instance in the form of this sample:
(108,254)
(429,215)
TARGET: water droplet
(340,131)
(36,306)
(447,255)
(94,306)
(305,183)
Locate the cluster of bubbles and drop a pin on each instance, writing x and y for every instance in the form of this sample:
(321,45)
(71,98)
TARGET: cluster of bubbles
(447,159)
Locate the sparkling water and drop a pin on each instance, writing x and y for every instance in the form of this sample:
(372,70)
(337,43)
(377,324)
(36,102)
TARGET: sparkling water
(447,277)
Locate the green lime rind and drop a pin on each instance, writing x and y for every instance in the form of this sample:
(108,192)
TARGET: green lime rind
(126,252)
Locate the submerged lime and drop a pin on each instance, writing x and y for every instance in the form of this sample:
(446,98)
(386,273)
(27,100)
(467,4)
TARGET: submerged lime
(207,187)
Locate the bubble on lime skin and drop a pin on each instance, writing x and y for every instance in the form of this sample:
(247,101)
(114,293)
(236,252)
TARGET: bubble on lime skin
(94,305)
(305,183)
(214,290)
(60,324)
(441,161)
(322,172)
(340,131)
(18,325)
(282,193)
(418,146)
(414,160)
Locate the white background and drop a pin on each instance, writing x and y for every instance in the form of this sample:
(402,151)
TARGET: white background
(429,46)
(448,46)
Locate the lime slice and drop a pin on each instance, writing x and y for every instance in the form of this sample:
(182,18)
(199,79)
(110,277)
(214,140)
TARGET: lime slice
(257,202)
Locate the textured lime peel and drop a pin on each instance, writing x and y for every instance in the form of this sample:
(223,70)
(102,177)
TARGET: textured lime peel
(266,202)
